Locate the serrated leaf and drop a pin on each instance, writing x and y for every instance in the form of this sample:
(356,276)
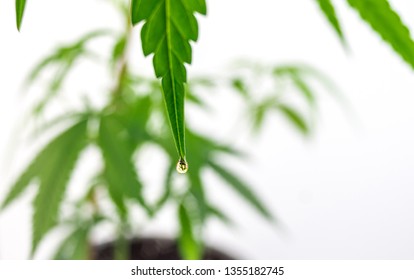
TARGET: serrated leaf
(189,246)
(53,171)
(294,117)
(329,11)
(169,27)
(75,246)
(119,170)
(388,24)
(24,180)
(241,188)
(20,6)
(33,171)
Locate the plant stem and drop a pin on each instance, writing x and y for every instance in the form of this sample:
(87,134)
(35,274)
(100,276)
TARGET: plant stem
(122,63)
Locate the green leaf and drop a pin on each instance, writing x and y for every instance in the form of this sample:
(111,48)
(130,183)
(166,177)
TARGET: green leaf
(241,188)
(20,5)
(55,165)
(304,88)
(303,71)
(25,179)
(167,188)
(119,169)
(297,74)
(329,11)
(197,190)
(64,58)
(75,246)
(203,148)
(169,27)
(118,49)
(294,117)
(189,246)
(215,212)
(387,23)
(239,85)
(52,168)
(259,113)
(192,97)
(37,168)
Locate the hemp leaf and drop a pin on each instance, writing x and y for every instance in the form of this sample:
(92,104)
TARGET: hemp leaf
(169,27)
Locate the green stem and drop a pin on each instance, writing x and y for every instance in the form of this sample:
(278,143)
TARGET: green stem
(122,63)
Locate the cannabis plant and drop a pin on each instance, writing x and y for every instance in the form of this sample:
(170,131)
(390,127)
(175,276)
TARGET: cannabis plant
(142,110)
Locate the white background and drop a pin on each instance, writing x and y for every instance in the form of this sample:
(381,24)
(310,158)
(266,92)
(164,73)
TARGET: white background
(346,193)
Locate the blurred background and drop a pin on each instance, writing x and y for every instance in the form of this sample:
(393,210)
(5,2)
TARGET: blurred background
(345,192)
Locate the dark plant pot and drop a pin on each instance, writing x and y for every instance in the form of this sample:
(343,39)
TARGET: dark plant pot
(153,249)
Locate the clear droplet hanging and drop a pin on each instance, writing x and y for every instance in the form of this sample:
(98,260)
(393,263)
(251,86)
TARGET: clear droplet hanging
(182,166)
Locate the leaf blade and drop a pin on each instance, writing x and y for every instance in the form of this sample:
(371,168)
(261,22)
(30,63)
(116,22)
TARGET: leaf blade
(190,248)
(168,29)
(75,246)
(20,7)
(119,169)
(62,153)
(242,189)
(20,185)
(386,22)
(294,117)
(328,10)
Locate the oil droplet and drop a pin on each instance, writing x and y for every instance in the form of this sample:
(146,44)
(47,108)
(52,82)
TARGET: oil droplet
(182,166)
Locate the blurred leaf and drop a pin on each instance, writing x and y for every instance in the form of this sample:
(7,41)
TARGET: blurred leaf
(329,11)
(303,71)
(119,170)
(167,188)
(118,49)
(215,212)
(63,59)
(304,88)
(387,23)
(193,98)
(75,246)
(33,171)
(259,117)
(134,113)
(294,117)
(25,178)
(66,117)
(260,111)
(197,190)
(190,248)
(300,74)
(54,167)
(207,82)
(168,29)
(241,188)
(20,6)
(239,85)
(203,148)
